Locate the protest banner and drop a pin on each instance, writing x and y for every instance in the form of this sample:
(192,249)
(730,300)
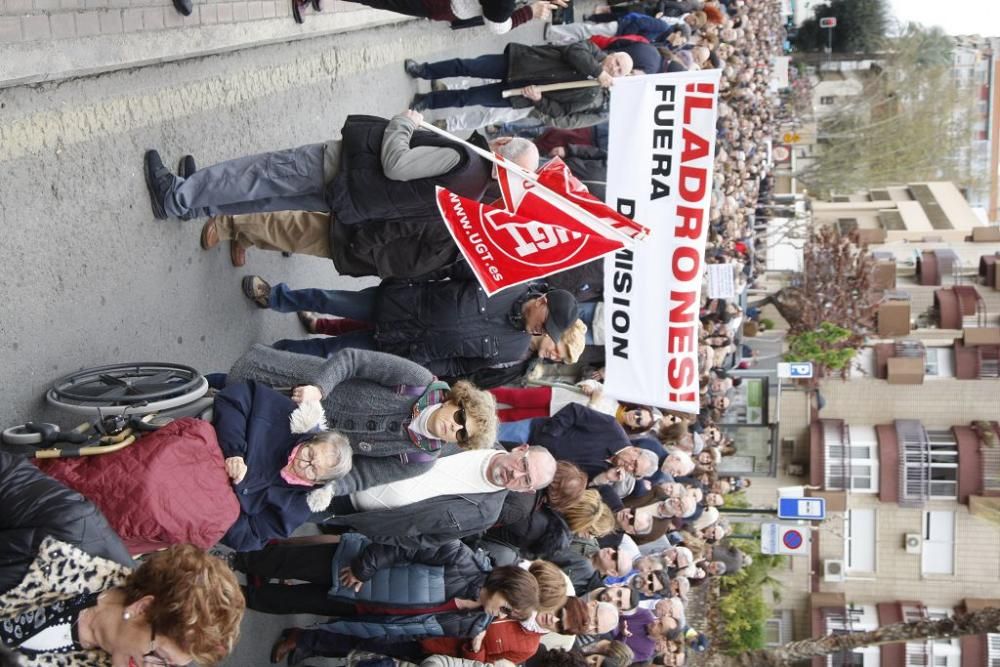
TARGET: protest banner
(721,281)
(660,165)
(506,249)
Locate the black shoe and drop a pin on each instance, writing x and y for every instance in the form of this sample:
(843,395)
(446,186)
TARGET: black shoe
(186,166)
(158,182)
(414,69)
(420,102)
(185,7)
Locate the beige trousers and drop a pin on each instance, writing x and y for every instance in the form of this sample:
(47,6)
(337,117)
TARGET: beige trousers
(303,232)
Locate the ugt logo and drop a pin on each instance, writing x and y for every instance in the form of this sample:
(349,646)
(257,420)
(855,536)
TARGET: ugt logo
(534,243)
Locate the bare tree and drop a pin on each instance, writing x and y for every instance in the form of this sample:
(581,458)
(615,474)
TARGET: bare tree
(909,123)
(973,623)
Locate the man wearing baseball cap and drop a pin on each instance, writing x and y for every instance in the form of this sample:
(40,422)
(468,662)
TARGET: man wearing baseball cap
(450,327)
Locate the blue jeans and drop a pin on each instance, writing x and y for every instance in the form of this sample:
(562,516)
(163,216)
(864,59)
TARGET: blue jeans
(285,180)
(516,431)
(357,305)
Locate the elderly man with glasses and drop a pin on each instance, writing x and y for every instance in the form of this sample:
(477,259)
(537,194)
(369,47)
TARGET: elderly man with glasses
(461,495)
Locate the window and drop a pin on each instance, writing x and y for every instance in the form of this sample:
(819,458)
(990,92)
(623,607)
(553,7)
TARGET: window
(993,650)
(853,619)
(938,553)
(851,457)
(826,100)
(928,465)
(778,628)
(939,362)
(935,652)
(943,477)
(859,540)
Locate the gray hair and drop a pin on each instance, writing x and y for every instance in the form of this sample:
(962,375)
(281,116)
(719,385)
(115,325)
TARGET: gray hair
(542,451)
(652,461)
(341,448)
(515,148)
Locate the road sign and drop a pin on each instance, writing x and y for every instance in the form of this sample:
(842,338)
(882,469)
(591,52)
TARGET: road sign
(795,370)
(776,538)
(828,22)
(813,509)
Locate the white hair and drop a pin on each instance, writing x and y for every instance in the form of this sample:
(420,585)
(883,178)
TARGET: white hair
(515,148)
(652,461)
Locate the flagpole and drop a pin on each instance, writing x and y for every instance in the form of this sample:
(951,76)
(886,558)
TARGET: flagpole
(586,216)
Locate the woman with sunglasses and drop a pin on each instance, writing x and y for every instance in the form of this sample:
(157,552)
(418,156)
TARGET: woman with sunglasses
(181,605)
(396,415)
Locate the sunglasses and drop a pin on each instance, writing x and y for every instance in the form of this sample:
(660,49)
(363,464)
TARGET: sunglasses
(459,418)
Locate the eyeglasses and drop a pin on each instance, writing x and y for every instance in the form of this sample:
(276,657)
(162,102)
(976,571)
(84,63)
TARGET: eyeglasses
(459,418)
(523,465)
(308,468)
(153,658)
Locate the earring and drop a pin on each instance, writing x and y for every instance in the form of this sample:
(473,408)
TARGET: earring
(126,615)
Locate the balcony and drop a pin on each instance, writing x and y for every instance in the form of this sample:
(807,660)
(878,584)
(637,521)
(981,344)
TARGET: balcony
(959,306)
(988,274)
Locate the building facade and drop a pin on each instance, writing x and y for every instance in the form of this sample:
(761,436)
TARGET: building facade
(906,451)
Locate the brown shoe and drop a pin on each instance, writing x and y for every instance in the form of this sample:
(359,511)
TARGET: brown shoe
(257,290)
(308,319)
(286,643)
(237,254)
(209,235)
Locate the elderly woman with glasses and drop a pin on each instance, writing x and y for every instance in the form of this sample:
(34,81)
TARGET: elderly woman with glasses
(397,417)
(276,453)
(181,605)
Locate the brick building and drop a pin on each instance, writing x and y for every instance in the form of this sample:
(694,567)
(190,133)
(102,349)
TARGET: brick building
(907,450)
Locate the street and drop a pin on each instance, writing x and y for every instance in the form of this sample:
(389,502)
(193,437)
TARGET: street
(91,278)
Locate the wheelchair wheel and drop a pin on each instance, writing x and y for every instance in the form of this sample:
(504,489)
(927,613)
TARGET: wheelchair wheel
(135,389)
(19,435)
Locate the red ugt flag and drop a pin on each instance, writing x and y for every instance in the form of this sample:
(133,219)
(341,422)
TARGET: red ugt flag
(506,249)
(522,197)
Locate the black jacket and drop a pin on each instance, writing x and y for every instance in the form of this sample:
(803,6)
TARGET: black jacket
(580,435)
(529,524)
(401,249)
(428,523)
(534,65)
(361,192)
(450,327)
(35,506)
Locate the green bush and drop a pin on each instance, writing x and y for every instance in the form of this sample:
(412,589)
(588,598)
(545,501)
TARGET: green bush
(742,607)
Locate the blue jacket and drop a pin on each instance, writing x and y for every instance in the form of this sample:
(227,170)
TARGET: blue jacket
(401,577)
(251,421)
(467,623)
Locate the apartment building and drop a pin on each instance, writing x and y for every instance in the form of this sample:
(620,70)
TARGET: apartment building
(907,449)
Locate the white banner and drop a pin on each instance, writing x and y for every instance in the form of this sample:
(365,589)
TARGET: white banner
(661,149)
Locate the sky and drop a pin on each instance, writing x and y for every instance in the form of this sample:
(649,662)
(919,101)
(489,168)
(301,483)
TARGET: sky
(956,17)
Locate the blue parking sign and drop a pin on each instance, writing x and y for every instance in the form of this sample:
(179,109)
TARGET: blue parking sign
(811,509)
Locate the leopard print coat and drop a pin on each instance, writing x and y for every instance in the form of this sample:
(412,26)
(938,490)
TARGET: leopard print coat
(61,571)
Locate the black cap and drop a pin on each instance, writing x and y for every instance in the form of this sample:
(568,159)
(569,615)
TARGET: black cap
(562,312)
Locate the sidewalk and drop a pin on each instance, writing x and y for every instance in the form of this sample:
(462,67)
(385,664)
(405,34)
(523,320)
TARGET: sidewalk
(49,40)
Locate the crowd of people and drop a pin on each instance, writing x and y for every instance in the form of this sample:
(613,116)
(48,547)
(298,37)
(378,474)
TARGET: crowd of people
(462,511)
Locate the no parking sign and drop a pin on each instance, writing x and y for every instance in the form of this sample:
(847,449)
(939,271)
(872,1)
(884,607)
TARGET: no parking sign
(776,538)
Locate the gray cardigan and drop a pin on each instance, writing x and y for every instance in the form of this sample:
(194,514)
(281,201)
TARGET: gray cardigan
(362,400)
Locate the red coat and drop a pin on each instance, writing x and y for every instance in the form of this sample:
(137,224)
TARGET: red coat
(505,639)
(169,487)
